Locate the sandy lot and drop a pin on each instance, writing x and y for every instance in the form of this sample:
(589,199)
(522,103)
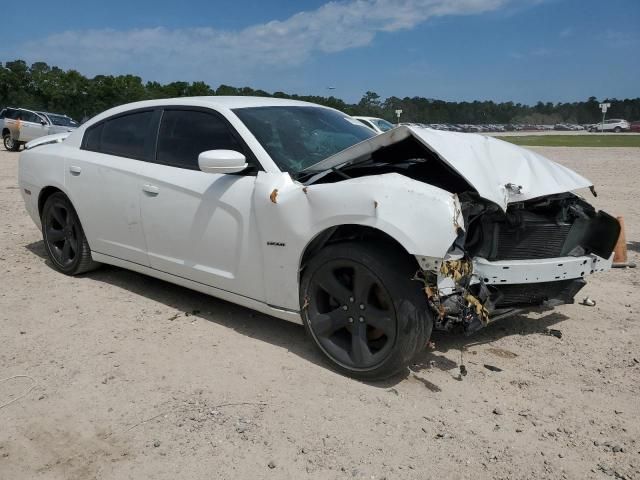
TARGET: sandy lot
(131,377)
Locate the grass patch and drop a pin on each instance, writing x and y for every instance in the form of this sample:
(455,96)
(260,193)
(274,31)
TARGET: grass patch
(575,140)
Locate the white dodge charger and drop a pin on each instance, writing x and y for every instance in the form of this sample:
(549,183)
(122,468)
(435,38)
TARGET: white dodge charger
(301,212)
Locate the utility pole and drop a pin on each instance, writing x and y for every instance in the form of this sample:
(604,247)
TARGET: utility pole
(604,107)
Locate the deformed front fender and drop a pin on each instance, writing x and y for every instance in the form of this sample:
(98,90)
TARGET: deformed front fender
(422,218)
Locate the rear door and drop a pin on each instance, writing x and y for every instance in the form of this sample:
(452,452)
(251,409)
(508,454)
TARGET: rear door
(11,122)
(102,177)
(198,225)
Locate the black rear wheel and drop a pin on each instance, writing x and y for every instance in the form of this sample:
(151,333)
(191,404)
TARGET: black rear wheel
(363,311)
(10,144)
(64,238)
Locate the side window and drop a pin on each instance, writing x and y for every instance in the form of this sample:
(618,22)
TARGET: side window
(184,134)
(92,138)
(30,117)
(124,136)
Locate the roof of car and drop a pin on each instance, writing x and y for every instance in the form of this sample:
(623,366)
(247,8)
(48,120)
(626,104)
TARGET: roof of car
(240,102)
(217,102)
(367,118)
(224,102)
(58,114)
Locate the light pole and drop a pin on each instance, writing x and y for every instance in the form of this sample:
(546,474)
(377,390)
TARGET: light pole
(604,107)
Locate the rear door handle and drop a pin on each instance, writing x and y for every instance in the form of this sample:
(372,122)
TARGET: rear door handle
(75,170)
(150,189)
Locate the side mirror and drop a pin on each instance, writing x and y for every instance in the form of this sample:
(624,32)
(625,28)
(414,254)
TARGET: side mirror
(222,161)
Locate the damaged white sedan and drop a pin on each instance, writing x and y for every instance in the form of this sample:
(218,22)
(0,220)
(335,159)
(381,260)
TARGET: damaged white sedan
(300,212)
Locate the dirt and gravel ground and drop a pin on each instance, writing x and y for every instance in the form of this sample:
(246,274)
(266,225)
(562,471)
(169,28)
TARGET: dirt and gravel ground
(131,377)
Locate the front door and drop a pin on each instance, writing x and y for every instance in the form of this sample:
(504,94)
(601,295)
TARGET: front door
(31,126)
(198,225)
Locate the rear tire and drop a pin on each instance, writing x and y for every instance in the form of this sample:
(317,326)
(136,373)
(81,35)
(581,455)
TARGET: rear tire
(64,239)
(617,129)
(363,311)
(10,144)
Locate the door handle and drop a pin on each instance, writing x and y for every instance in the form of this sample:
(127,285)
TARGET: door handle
(151,190)
(75,170)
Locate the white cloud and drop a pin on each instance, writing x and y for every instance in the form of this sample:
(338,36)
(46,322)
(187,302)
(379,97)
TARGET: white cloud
(190,53)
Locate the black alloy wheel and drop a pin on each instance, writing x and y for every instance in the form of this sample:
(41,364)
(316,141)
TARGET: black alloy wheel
(64,238)
(10,144)
(351,314)
(363,311)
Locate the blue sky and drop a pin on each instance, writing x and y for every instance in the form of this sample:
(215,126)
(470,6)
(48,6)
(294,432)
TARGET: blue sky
(518,50)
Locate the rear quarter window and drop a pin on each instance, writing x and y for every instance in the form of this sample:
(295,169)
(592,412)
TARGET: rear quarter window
(124,136)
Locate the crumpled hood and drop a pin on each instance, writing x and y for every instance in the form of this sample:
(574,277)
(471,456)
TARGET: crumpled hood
(498,170)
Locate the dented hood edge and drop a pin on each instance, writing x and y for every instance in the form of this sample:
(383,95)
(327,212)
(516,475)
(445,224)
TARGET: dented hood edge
(499,171)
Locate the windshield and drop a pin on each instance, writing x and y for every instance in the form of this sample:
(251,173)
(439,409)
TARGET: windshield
(298,137)
(62,120)
(383,124)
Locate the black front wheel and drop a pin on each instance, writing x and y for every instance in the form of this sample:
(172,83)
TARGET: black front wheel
(64,238)
(363,310)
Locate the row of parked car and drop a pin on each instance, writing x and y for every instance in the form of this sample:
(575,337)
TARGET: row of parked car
(615,125)
(20,126)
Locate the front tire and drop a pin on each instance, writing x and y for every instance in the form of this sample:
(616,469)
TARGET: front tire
(64,239)
(363,310)
(10,144)
(617,129)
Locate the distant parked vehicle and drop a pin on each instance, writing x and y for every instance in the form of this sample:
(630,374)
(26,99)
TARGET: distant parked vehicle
(59,123)
(616,125)
(635,126)
(378,125)
(20,126)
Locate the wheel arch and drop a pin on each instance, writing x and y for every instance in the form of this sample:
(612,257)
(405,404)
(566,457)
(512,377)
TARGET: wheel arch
(45,193)
(5,131)
(355,233)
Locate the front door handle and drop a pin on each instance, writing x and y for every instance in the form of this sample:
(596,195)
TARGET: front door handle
(150,189)
(75,170)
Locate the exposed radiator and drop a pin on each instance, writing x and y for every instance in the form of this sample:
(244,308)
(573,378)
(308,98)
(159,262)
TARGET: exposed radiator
(530,241)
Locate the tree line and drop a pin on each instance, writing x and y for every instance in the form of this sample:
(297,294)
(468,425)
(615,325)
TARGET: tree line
(43,87)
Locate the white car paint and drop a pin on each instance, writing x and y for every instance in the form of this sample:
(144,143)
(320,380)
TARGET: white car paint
(224,234)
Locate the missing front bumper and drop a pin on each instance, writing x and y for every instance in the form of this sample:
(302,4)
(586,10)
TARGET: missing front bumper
(471,294)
